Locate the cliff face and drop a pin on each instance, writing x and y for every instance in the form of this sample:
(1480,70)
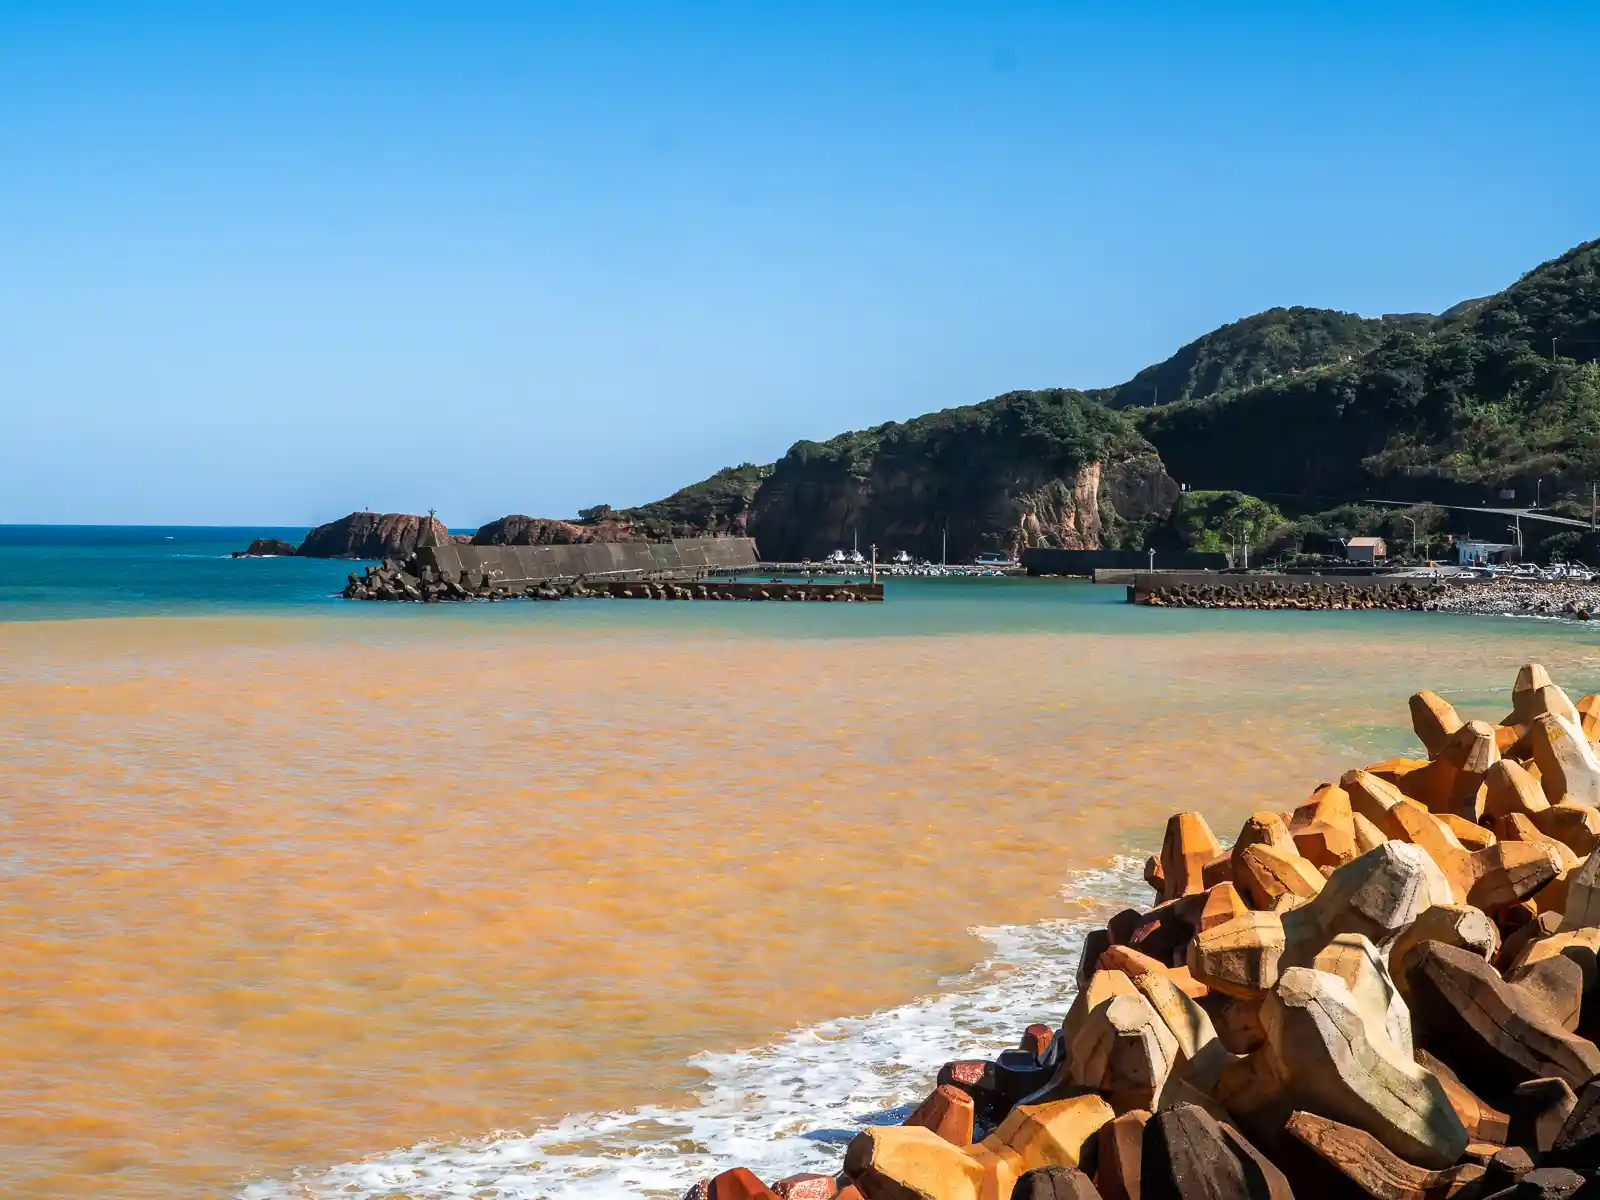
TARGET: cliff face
(373,535)
(518,530)
(1024,469)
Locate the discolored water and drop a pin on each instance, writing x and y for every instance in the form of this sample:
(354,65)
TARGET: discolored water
(658,887)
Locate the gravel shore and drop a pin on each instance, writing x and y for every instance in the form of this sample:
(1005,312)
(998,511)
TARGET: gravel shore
(1530,597)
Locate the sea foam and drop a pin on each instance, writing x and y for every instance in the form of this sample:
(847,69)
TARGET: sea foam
(786,1107)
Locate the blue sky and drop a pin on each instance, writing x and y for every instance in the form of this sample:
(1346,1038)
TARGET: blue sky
(268,263)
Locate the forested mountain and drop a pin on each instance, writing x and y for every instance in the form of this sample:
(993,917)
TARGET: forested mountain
(1258,349)
(1479,402)
(1306,407)
(1026,468)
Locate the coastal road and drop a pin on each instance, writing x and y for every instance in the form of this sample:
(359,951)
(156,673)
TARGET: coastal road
(1526,513)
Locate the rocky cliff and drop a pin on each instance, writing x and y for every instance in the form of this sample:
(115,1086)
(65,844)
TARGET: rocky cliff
(1047,468)
(373,535)
(518,530)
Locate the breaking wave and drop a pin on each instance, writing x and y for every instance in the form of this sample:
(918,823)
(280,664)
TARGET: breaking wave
(786,1107)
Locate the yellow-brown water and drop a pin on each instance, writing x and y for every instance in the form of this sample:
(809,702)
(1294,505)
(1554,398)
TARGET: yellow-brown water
(283,893)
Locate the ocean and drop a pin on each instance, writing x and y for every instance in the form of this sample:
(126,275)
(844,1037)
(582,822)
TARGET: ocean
(309,898)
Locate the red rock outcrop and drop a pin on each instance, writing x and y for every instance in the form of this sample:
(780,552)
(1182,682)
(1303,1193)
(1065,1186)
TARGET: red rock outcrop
(373,535)
(518,530)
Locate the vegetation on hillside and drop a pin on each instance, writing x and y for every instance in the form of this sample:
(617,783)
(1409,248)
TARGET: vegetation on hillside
(720,504)
(1058,428)
(1267,346)
(1477,405)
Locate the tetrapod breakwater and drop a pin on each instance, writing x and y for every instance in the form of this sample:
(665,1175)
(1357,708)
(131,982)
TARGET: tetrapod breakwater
(1390,989)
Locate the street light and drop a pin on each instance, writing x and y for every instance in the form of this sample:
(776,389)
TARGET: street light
(1517,529)
(1413,524)
(1538,490)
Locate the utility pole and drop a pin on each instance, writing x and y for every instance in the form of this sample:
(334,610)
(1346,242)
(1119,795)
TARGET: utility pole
(1594,497)
(874,562)
(944,546)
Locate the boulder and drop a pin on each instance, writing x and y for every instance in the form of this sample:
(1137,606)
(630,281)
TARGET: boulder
(948,1112)
(519,530)
(1338,1161)
(267,548)
(1493,1034)
(371,535)
(1323,1054)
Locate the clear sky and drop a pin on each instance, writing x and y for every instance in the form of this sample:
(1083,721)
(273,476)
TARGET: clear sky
(269,262)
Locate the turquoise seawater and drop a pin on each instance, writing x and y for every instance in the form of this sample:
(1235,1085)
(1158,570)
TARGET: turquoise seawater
(57,572)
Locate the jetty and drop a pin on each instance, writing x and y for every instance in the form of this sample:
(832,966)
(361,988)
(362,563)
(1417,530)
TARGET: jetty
(1390,989)
(680,569)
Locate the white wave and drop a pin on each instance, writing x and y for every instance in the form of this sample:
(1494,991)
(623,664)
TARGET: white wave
(780,1109)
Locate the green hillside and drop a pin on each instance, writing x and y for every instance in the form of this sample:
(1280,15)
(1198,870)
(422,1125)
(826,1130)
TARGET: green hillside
(1475,405)
(1268,346)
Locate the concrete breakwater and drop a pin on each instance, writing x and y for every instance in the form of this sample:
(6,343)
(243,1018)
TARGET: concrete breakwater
(1390,990)
(1284,591)
(677,570)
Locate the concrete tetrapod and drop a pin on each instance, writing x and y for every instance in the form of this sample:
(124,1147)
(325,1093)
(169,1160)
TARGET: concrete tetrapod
(1188,846)
(1121,1147)
(1324,1055)
(1566,761)
(1055,1183)
(1364,1167)
(1124,1050)
(1453,924)
(1492,1033)
(1377,895)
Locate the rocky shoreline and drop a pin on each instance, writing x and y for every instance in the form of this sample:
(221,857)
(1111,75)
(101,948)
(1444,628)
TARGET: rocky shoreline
(1514,597)
(1389,991)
